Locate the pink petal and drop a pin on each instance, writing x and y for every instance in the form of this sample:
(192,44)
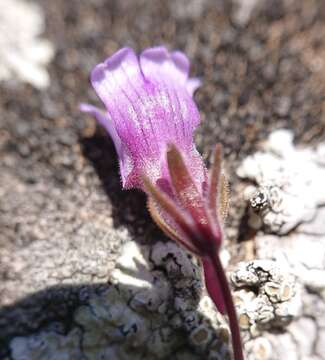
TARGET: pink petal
(158,63)
(192,85)
(105,121)
(148,109)
(103,118)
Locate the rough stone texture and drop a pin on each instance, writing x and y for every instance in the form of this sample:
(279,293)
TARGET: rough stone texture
(289,183)
(63,216)
(154,298)
(299,176)
(266,297)
(23,55)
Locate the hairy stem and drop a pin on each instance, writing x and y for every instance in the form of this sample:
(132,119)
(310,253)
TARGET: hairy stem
(230,309)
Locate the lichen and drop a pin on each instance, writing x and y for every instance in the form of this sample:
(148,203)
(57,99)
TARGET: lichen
(47,345)
(22,54)
(153,309)
(155,305)
(289,182)
(266,296)
(289,203)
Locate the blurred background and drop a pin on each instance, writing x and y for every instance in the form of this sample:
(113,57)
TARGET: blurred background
(262,65)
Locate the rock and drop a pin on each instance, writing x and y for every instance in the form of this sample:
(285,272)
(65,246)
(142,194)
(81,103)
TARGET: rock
(289,202)
(243,10)
(63,217)
(265,295)
(289,183)
(23,55)
(153,297)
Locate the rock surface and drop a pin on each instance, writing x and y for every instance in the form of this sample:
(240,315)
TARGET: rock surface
(65,221)
(298,244)
(289,183)
(154,298)
(23,55)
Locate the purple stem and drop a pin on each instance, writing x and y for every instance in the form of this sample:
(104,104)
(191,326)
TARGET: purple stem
(230,308)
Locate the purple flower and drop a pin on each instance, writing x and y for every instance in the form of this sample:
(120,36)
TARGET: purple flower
(151,117)
(148,105)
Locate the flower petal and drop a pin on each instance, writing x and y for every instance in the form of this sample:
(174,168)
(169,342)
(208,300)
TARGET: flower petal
(105,121)
(192,85)
(148,112)
(170,74)
(112,82)
(123,155)
(158,63)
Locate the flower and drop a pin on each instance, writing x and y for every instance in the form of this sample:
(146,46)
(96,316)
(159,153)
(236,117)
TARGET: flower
(148,105)
(151,117)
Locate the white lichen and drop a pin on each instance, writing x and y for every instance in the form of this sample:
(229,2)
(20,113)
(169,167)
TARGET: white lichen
(155,305)
(47,345)
(265,295)
(23,55)
(154,308)
(242,10)
(289,182)
(289,203)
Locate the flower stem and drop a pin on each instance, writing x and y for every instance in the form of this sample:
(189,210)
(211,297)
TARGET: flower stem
(230,308)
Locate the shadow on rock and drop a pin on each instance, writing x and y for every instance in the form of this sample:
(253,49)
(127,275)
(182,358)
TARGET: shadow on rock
(128,207)
(51,308)
(99,321)
(153,308)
